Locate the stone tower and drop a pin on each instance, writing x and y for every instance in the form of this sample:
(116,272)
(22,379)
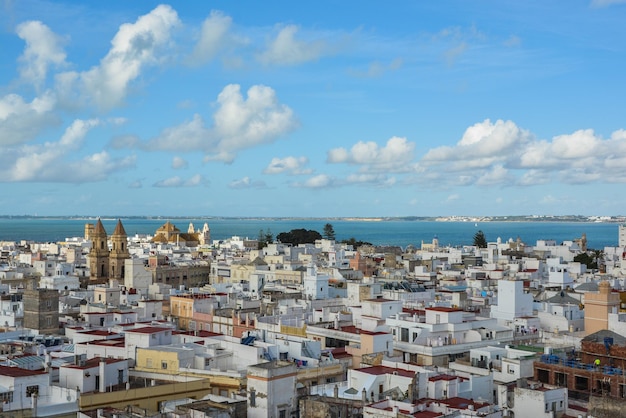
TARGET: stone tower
(598,306)
(41,310)
(99,253)
(119,252)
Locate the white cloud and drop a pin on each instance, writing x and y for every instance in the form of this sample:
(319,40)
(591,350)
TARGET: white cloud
(239,123)
(285,49)
(481,146)
(49,162)
(212,37)
(501,153)
(317,182)
(133,47)
(246,183)
(176,181)
(496,175)
(372,180)
(534,177)
(21,121)
(179,162)
(43,48)
(395,156)
(289,165)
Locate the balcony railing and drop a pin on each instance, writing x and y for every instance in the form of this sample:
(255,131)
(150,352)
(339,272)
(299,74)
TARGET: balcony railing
(575,364)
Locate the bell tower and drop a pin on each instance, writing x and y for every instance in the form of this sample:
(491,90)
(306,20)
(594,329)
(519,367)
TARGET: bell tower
(99,253)
(119,252)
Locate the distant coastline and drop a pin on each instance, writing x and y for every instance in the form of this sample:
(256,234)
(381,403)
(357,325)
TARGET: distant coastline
(475,219)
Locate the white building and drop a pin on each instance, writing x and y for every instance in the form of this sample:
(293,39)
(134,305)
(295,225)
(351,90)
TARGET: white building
(315,285)
(95,375)
(272,390)
(539,402)
(513,302)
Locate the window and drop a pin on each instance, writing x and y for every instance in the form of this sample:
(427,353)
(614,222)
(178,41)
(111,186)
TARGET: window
(6,397)
(164,365)
(510,369)
(149,363)
(282,414)
(32,390)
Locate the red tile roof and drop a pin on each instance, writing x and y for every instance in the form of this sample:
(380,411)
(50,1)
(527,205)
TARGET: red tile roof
(378,370)
(19,372)
(444,309)
(94,362)
(148,330)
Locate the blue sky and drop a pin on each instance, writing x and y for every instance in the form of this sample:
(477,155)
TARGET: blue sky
(330,109)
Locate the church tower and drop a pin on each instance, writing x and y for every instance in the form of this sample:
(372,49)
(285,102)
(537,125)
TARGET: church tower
(99,253)
(119,252)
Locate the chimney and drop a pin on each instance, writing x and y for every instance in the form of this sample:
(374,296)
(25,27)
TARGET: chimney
(102,376)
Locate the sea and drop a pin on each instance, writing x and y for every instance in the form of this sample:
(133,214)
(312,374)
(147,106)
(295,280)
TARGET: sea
(400,233)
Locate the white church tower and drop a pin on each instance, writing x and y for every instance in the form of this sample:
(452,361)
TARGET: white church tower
(315,285)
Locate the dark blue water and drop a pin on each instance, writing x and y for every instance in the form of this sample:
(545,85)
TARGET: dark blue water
(396,232)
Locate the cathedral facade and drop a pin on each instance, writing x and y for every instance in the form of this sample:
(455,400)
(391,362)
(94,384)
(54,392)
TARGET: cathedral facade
(107,263)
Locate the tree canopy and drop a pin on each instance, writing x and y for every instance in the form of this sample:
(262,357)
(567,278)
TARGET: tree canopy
(299,236)
(265,237)
(480,240)
(355,244)
(329,232)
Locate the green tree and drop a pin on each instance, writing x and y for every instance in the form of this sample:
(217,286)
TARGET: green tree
(299,236)
(589,258)
(265,237)
(480,240)
(355,244)
(329,232)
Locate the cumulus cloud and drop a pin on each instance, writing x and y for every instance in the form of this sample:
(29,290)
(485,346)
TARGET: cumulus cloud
(212,37)
(246,183)
(21,121)
(133,47)
(501,153)
(482,145)
(395,156)
(285,49)
(371,180)
(288,165)
(238,123)
(43,48)
(320,181)
(50,162)
(176,181)
(179,162)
